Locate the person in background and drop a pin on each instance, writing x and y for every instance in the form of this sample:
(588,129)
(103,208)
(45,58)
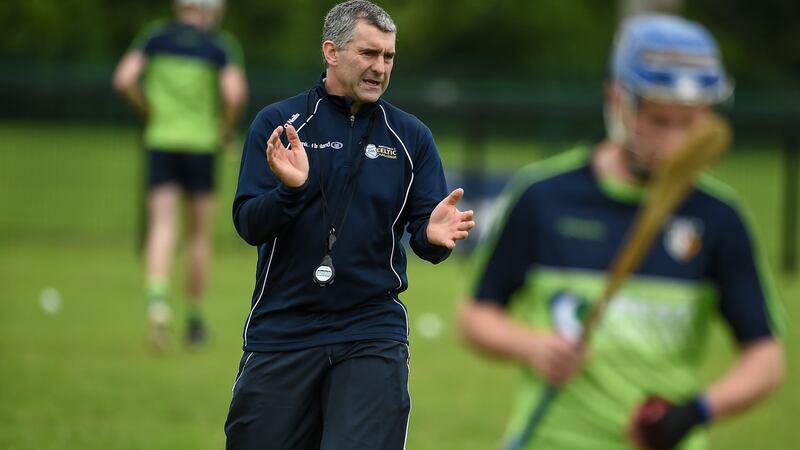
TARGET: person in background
(186,79)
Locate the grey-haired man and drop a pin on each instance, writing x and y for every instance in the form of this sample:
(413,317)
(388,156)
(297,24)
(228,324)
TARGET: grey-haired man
(325,361)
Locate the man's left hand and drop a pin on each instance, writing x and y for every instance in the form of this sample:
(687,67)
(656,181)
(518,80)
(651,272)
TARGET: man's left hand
(659,424)
(447,224)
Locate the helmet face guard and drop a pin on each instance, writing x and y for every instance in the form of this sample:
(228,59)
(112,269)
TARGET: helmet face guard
(666,58)
(206,4)
(211,9)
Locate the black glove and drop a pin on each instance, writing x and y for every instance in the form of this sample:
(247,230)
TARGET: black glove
(660,425)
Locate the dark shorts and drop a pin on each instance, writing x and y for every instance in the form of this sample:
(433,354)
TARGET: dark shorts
(194,172)
(336,397)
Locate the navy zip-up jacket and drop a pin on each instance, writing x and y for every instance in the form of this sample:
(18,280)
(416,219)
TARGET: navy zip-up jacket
(387,161)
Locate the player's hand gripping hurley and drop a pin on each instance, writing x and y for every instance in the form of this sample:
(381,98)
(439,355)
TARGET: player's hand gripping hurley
(672,181)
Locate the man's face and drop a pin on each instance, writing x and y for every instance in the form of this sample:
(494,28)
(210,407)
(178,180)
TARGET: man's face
(363,67)
(204,17)
(656,129)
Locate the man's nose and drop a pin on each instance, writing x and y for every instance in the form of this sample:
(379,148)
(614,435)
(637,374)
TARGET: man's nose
(379,66)
(674,136)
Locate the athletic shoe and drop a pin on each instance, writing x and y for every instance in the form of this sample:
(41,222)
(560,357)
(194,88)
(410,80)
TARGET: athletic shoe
(159,318)
(196,332)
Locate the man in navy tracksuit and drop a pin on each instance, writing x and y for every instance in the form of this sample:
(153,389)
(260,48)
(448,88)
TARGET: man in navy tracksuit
(325,361)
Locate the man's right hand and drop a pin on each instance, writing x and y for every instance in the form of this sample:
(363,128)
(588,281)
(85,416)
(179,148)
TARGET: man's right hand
(487,325)
(556,359)
(289,165)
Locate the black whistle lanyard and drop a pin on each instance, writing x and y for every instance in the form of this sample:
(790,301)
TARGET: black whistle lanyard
(324,273)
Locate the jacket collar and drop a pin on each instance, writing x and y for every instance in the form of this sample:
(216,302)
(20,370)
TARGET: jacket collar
(341,103)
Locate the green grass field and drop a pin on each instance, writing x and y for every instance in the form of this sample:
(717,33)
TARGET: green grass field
(83,379)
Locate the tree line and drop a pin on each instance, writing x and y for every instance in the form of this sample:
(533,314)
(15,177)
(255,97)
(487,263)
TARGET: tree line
(503,39)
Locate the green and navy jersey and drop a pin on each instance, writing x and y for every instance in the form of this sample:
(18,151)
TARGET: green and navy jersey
(181,84)
(546,257)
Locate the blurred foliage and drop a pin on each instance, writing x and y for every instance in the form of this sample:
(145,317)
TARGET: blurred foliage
(760,39)
(504,39)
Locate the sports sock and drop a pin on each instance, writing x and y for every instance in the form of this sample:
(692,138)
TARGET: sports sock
(194,312)
(157,290)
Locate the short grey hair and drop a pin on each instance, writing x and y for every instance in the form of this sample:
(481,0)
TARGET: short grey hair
(340,22)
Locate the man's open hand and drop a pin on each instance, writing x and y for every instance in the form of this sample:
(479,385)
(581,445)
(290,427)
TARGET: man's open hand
(289,165)
(447,224)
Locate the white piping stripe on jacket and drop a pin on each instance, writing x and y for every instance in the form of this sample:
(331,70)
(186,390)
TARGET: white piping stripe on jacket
(405,199)
(274,243)
(316,105)
(263,285)
(405,312)
(244,366)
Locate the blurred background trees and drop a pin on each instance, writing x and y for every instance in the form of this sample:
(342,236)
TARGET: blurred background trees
(501,83)
(522,40)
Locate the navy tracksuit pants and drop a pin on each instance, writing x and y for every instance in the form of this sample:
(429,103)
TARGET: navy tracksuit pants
(334,397)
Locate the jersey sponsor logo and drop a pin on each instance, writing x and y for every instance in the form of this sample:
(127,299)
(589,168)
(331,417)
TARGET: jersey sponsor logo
(683,238)
(633,321)
(336,145)
(373,151)
(580,228)
(568,311)
(291,120)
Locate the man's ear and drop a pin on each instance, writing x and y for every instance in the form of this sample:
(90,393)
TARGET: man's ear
(330,52)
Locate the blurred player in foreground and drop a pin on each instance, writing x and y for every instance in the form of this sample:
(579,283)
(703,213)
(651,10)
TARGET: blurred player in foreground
(186,80)
(561,224)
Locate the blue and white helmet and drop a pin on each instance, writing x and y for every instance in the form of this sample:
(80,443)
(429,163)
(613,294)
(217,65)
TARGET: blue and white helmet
(668,58)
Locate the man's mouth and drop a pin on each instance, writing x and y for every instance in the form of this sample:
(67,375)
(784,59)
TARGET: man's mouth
(370,82)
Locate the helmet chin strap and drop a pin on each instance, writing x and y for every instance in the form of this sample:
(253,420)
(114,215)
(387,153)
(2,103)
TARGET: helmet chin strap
(615,129)
(619,134)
